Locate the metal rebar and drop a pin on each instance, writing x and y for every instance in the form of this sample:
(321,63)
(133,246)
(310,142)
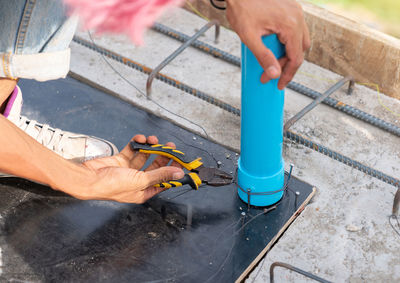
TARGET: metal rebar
(248,199)
(316,102)
(166,79)
(342,158)
(227,107)
(396,203)
(197,44)
(295,269)
(296,196)
(234,60)
(217,32)
(352,111)
(178,51)
(351,87)
(290,172)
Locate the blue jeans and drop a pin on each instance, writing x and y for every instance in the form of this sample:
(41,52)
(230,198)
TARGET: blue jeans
(34,39)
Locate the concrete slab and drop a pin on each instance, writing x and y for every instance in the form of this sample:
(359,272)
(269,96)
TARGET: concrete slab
(344,235)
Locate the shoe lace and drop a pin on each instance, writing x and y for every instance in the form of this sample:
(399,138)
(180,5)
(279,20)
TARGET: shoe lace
(51,138)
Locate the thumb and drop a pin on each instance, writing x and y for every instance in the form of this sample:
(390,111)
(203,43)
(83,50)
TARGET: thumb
(163,174)
(267,60)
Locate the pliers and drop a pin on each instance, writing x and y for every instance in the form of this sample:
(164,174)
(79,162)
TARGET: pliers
(199,174)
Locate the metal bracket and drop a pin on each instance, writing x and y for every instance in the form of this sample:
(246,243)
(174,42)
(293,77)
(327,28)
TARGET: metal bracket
(295,269)
(319,99)
(178,51)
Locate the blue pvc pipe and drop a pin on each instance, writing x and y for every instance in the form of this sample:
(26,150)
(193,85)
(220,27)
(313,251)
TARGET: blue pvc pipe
(261,166)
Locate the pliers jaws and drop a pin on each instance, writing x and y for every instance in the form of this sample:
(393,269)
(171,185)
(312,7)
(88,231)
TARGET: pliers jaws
(213,176)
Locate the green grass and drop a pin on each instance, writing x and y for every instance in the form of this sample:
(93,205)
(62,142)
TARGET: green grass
(387,12)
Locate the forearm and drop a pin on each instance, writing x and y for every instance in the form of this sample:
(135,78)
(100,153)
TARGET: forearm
(22,156)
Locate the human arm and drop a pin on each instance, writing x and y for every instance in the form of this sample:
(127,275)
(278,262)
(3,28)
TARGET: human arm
(252,19)
(111,178)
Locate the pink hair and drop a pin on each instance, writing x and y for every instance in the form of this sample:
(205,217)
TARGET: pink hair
(132,17)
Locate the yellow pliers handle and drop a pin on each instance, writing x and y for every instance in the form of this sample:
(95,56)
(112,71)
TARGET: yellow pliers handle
(191,179)
(169,152)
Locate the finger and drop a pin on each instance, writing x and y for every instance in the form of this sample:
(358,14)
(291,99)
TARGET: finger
(151,192)
(127,151)
(176,164)
(152,140)
(294,53)
(140,158)
(283,61)
(306,37)
(266,58)
(163,174)
(160,161)
(138,197)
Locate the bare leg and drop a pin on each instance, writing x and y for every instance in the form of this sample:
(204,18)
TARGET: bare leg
(6,88)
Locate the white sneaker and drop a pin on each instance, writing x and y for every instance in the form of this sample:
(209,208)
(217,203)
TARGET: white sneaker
(75,147)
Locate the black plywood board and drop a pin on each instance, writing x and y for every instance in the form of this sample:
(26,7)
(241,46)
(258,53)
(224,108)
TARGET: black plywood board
(179,236)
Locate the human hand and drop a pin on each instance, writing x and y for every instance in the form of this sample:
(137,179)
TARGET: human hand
(118,177)
(252,19)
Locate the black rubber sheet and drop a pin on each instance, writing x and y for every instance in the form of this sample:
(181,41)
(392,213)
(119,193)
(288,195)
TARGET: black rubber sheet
(181,235)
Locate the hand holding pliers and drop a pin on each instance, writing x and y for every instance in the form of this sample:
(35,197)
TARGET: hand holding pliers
(198,173)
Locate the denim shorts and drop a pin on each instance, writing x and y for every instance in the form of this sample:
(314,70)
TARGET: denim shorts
(34,39)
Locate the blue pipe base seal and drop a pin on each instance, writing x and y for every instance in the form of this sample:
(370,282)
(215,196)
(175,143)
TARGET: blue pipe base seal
(265,184)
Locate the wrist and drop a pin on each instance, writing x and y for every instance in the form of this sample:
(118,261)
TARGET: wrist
(74,179)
